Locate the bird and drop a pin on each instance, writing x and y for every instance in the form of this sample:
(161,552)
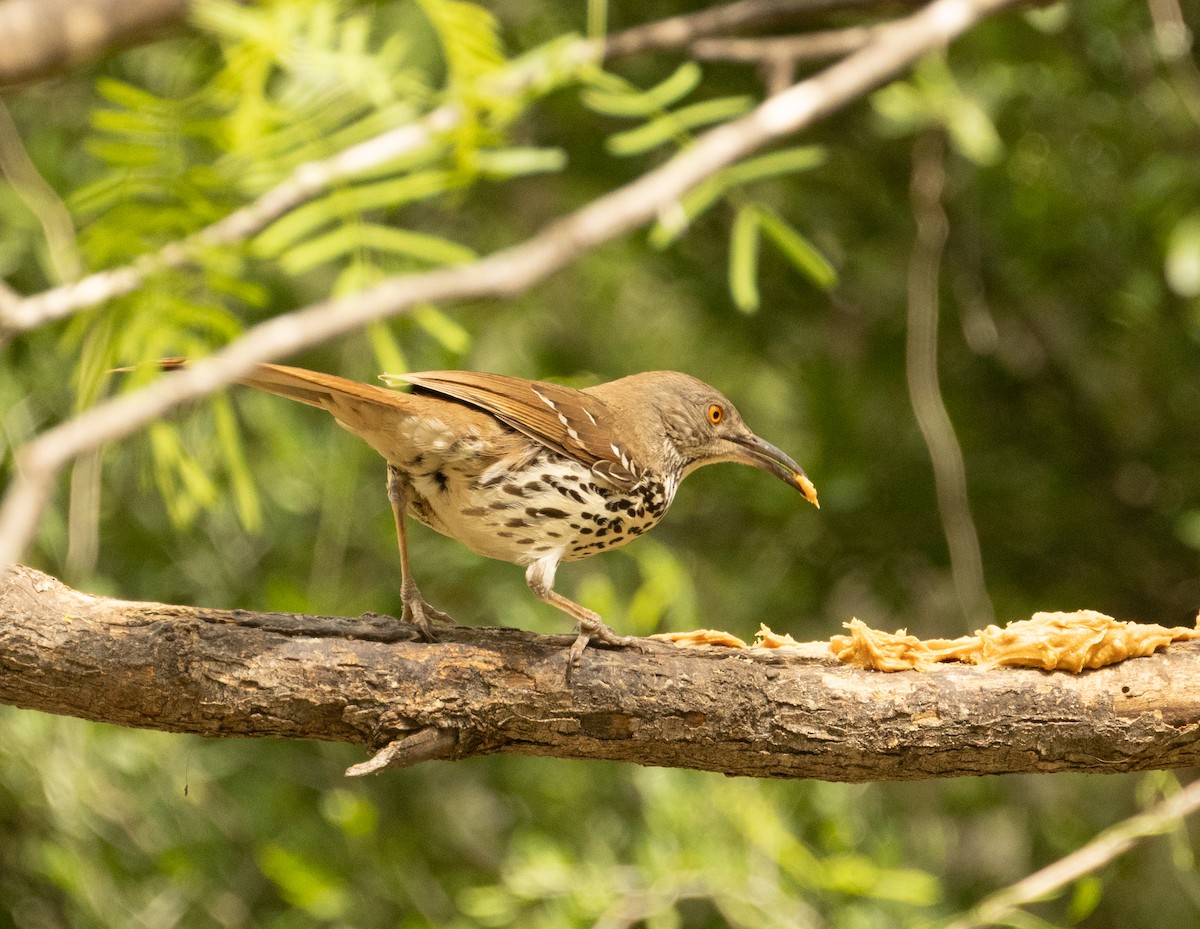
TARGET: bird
(531,472)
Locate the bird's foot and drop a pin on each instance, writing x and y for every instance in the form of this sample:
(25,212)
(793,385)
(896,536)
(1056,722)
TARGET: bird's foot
(419,613)
(595,630)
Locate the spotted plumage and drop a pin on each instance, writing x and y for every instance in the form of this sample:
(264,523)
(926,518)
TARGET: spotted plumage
(531,472)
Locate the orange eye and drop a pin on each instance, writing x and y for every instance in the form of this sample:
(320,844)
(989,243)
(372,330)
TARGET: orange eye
(715,414)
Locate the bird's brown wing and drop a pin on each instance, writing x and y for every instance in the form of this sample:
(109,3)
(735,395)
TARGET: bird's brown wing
(566,420)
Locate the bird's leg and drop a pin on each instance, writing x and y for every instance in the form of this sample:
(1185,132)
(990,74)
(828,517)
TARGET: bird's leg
(416,610)
(540,578)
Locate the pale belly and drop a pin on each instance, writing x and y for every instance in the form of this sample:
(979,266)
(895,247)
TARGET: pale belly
(552,506)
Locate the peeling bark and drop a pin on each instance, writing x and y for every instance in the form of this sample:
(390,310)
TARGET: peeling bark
(365,680)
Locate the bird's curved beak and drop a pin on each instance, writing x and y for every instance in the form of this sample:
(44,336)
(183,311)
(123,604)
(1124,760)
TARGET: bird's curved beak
(759,453)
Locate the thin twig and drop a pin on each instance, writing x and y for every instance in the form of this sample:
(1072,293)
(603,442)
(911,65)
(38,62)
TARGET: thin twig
(40,198)
(924,391)
(1106,847)
(809,46)
(778,57)
(502,274)
(680,31)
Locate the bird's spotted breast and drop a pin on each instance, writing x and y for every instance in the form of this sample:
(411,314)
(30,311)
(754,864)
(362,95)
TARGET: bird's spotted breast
(550,504)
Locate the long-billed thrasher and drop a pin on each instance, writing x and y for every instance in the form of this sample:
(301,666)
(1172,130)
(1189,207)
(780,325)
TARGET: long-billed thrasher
(531,472)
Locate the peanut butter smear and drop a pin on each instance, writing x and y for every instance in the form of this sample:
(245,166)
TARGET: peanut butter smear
(1050,641)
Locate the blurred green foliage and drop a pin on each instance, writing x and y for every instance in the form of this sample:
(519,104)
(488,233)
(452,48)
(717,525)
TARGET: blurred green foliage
(1070,337)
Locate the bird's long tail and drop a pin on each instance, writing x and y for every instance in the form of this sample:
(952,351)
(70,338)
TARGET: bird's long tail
(368,411)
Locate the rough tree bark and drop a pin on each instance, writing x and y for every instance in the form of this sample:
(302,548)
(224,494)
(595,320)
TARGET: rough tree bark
(759,713)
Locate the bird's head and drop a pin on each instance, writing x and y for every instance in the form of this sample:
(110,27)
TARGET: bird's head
(701,427)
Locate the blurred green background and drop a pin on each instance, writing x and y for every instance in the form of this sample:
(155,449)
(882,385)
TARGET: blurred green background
(1069,339)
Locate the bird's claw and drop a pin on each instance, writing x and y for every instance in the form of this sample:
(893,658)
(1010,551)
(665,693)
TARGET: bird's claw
(420,614)
(599,632)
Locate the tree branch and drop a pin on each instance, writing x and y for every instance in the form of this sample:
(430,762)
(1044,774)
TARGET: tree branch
(511,271)
(682,30)
(924,386)
(761,713)
(47,37)
(39,198)
(778,56)
(999,908)
(791,49)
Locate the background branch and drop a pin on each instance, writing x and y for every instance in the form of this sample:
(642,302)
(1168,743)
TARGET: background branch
(47,37)
(682,30)
(924,387)
(1105,848)
(480,691)
(826,43)
(40,199)
(892,48)
(777,57)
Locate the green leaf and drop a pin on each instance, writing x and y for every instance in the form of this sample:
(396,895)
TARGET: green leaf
(449,334)
(357,237)
(422,246)
(675,219)
(1182,264)
(1187,528)
(773,164)
(799,252)
(972,131)
(743,260)
(933,97)
(646,103)
(356,276)
(184,485)
(305,883)
(674,222)
(245,497)
(515,162)
(349,202)
(329,246)
(666,590)
(125,154)
(250,292)
(386,347)
(129,96)
(126,122)
(469,35)
(1088,892)
(356,816)
(675,124)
